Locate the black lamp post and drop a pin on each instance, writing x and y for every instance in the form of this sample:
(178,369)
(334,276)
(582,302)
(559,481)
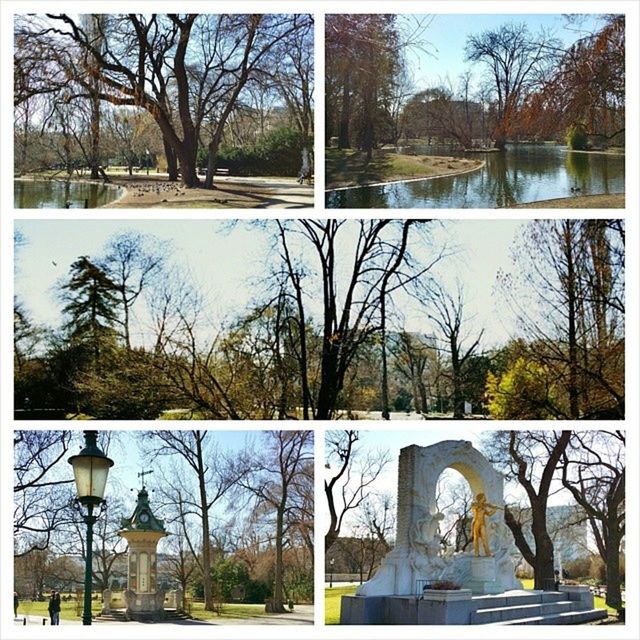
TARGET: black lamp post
(331,572)
(90,470)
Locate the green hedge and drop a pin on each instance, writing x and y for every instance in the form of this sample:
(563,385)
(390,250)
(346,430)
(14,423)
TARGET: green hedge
(277,153)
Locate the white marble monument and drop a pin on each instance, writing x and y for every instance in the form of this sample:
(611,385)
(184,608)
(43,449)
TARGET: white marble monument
(417,557)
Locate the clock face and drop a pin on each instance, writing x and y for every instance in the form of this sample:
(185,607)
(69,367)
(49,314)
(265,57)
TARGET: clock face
(144,518)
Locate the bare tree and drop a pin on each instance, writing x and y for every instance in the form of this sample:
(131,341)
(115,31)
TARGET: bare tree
(108,546)
(208,477)
(350,317)
(593,470)
(515,60)
(447,313)
(532,458)
(185,70)
(279,480)
(132,260)
(568,297)
(353,472)
(180,562)
(413,358)
(42,490)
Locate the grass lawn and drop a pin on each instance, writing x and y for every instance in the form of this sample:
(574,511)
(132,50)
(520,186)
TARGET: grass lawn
(332,602)
(68,610)
(350,168)
(598,602)
(233,611)
(603,201)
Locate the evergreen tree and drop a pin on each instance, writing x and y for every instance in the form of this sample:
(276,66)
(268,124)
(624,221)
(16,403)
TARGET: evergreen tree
(91,304)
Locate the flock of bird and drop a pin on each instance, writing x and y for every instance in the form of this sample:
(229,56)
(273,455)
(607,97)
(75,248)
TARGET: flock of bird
(141,190)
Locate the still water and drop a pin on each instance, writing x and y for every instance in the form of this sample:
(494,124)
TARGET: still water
(523,173)
(55,194)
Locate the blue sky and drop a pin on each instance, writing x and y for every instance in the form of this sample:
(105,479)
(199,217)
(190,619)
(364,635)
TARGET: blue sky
(446,36)
(224,265)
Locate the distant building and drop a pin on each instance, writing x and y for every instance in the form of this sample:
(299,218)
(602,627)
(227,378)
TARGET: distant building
(569,530)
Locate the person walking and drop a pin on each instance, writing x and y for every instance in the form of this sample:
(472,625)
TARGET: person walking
(54,608)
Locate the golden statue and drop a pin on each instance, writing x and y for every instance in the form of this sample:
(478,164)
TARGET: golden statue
(481,510)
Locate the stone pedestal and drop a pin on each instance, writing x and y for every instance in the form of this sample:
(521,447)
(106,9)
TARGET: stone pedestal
(580,593)
(144,606)
(106,601)
(483,576)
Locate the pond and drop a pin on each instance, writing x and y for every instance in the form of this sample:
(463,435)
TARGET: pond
(522,173)
(55,194)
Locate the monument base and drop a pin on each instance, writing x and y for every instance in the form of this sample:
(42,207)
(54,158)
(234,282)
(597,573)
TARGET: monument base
(461,607)
(144,606)
(483,576)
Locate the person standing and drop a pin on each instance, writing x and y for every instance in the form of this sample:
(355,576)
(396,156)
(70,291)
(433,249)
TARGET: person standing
(16,603)
(54,608)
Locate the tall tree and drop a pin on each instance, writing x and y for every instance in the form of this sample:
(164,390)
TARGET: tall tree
(91,308)
(185,70)
(532,458)
(350,316)
(447,313)
(131,260)
(516,61)
(593,470)
(279,477)
(362,52)
(209,476)
(568,297)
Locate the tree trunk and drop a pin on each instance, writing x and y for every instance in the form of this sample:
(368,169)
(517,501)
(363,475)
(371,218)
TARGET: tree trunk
(345,114)
(206,538)
(278,587)
(212,159)
(172,160)
(385,374)
(424,403)
(614,596)
(571,292)
(187,153)
(94,149)
(543,567)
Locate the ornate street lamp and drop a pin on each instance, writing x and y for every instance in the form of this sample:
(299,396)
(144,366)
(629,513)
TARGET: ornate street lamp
(331,562)
(90,470)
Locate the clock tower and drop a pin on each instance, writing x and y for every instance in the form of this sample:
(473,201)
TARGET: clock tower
(143,531)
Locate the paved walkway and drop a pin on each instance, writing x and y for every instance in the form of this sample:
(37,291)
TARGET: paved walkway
(302,614)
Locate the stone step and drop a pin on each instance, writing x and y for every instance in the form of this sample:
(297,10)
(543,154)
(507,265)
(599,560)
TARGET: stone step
(170,615)
(514,612)
(517,599)
(568,617)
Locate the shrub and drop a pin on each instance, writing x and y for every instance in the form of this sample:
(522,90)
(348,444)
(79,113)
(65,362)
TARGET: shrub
(577,136)
(256,592)
(276,153)
(445,585)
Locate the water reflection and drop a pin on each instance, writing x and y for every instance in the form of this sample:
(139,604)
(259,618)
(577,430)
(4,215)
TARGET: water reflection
(56,194)
(526,173)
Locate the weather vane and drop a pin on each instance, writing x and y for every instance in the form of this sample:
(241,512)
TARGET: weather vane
(144,473)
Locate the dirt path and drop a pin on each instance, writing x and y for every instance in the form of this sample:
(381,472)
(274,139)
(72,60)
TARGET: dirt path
(142,192)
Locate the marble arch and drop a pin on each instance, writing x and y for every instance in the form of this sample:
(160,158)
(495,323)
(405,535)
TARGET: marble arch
(417,555)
